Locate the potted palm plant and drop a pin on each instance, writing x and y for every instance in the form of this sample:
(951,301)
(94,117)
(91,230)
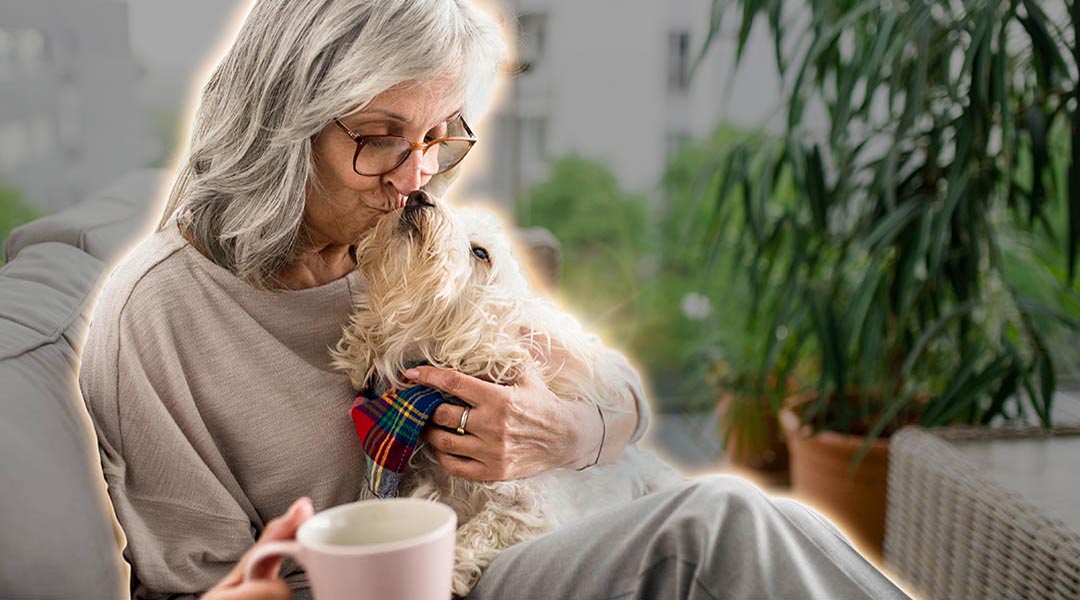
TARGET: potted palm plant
(748,402)
(938,128)
(745,400)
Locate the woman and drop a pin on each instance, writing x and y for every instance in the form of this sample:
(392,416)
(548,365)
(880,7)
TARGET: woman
(206,369)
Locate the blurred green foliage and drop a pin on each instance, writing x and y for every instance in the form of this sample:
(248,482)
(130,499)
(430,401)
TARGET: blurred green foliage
(13,212)
(601,230)
(165,128)
(1035,263)
(630,262)
(934,151)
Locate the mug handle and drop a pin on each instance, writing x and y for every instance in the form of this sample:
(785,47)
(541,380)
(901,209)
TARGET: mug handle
(270,550)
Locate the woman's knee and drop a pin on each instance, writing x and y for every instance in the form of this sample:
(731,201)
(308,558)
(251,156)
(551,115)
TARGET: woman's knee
(711,492)
(802,513)
(706,506)
(698,522)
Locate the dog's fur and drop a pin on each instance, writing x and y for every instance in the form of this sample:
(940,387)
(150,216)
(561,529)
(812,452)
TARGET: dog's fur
(430,298)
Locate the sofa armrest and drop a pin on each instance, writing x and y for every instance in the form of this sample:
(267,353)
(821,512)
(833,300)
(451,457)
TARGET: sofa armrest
(58,530)
(107,224)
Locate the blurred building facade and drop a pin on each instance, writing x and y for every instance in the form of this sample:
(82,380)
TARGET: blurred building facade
(605,79)
(70,120)
(610,80)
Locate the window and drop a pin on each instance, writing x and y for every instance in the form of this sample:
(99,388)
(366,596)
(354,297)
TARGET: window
(679,61)
(532,27)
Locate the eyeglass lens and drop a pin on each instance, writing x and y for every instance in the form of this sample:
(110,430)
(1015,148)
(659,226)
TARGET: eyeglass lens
(380,155)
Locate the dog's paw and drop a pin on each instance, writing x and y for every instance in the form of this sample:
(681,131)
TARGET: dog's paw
(466,576)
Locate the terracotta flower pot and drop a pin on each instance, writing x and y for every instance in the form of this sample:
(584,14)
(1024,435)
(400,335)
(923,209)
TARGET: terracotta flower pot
(819,477)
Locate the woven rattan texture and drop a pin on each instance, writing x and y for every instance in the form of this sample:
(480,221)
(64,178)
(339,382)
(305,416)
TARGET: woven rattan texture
(954,533)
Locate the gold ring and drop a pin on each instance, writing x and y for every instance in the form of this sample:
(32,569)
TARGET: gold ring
(464,419)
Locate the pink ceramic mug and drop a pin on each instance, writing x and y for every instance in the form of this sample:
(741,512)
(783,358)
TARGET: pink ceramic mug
(386,549)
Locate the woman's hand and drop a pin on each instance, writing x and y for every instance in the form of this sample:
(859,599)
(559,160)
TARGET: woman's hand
(513,432)
(266,585)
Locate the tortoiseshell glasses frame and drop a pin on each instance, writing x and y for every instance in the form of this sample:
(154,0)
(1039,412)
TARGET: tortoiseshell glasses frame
(458,146)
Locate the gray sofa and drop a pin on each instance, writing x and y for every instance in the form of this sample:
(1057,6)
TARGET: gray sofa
(60,539)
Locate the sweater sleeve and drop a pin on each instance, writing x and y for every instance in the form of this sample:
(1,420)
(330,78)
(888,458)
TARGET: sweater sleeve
(627,373)
(174,500)
(618,376)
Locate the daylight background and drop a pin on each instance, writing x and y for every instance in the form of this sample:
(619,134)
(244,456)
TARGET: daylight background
(601,137)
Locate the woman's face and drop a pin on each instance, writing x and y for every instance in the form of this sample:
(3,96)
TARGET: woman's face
(349,204)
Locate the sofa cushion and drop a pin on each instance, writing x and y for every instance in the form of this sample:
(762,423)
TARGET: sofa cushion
(43,296)
(106,225)
(53,510)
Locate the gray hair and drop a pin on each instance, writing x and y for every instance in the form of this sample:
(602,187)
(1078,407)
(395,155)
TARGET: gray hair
(294,67)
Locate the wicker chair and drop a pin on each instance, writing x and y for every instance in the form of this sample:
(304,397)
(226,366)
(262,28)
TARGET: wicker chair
(955,531)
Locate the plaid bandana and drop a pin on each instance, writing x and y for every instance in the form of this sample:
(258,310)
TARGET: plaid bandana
(389,427)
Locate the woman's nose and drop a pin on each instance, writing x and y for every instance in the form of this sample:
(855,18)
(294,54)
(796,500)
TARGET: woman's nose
(408,176)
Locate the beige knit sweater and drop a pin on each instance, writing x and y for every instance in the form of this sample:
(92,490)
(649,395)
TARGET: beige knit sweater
(215,407)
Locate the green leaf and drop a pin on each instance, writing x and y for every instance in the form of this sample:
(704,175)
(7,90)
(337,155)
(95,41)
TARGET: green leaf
(891,410)
(871,349)
(911,255)
(935,329)
(860,303)
(1073,244)
(1048,61)
(824,42)
(1048,383)
(716,19)
(942,221)
(1032,399)
(915,95)
(969,394)
(1036,124)
(815,189)
(833,360)
(1007,389)
(880,48)
(941,402)
(750,11)
(891,226)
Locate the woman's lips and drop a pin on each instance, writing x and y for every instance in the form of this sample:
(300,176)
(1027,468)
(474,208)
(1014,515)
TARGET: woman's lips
(379,209)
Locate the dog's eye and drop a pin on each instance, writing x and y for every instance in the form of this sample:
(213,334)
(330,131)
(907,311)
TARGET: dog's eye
(480,253)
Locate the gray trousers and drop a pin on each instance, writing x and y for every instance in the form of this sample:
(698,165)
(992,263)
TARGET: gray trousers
(715,537)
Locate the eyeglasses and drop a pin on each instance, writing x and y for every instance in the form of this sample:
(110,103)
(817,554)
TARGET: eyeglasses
(380,154)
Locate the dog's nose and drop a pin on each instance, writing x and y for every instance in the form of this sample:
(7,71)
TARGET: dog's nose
(418,199)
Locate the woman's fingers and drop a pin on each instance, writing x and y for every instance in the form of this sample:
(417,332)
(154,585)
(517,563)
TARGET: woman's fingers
(265,589)
(466,446)
(280,529)
(463,467)
(285,526)
(449,416)
(476,392)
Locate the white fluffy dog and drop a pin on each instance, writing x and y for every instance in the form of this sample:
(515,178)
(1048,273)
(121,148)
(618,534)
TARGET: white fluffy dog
(444,287)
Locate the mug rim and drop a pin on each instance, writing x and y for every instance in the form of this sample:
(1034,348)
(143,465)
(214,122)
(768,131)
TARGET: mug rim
(363,549)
